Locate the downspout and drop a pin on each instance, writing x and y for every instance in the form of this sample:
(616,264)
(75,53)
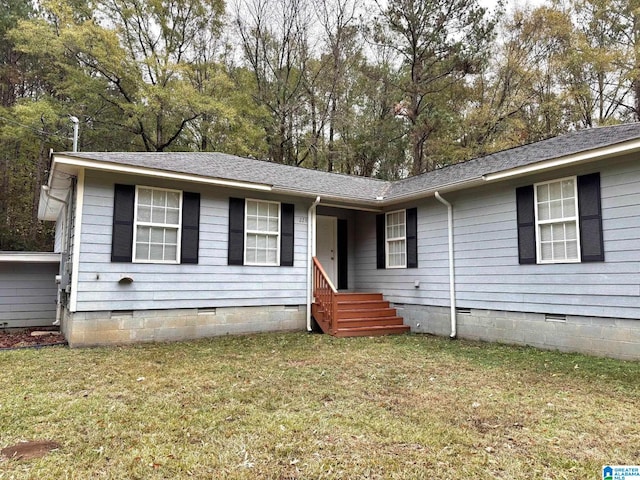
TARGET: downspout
(46,189)
(311,250)
(452,278)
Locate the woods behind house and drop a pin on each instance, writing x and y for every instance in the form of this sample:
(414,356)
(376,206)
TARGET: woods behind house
(385,89)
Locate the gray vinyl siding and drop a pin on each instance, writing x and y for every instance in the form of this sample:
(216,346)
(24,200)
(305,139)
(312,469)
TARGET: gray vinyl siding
(210,283)
(488,275)
(398,284)
(27,294)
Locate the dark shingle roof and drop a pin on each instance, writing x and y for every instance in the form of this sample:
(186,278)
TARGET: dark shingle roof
(229,167)
(353,188)
(556,147)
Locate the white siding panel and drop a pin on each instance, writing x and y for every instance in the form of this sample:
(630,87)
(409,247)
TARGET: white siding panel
(210,283)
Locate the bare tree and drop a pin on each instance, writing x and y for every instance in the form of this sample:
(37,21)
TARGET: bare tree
(438,43)
(342,55)
(274,36)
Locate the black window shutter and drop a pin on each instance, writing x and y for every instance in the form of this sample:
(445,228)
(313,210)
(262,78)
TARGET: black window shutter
(526,225)
(589,206)
(287,211)
(412,238)
(236,231)
(190,227)
(380,241)
(122,232)
(343,255)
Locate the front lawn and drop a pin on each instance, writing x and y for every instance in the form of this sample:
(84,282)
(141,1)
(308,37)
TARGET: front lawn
(302,406)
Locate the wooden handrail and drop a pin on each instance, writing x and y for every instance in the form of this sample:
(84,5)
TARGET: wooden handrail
(325,295)
(318,265)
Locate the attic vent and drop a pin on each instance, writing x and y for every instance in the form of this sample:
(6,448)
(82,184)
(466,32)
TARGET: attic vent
(463,311)
(553,317)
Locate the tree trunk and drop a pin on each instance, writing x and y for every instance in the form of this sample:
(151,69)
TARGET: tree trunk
(38,175)
(314,130)
(636,79)
(331,145)
(417,152)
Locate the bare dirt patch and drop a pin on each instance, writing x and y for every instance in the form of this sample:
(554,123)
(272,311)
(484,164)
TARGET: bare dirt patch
(31,337)
(29,450)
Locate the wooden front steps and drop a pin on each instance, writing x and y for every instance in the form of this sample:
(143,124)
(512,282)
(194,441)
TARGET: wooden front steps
(359,314)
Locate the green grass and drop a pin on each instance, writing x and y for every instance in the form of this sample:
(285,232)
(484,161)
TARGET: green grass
(300,406)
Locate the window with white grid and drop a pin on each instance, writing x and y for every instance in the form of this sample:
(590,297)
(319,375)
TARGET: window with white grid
(396,238)
(157,225)
(262,230)
(557,232)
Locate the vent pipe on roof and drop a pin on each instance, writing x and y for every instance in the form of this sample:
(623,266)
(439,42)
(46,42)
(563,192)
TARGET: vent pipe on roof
(75,132)
(452,278)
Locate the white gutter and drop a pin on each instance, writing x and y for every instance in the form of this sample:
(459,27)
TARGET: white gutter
(29,257)
(452,278)
(353,207)
(311,250)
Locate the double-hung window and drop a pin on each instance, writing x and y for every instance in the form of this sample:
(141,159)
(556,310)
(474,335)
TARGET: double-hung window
(157,224)
(557,230)
(560,221)
(396,239)
(262,231)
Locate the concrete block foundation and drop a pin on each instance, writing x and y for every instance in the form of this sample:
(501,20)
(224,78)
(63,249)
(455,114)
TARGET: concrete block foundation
(603,337)
(83,329)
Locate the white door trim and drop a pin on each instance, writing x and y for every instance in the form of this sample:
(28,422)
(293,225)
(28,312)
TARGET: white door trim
(327,225)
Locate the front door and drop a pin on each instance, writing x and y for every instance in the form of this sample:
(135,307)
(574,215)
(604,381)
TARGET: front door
(327,246)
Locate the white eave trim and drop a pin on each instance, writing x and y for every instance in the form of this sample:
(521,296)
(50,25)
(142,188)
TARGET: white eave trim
(576,158)
(340,201)
(151,172)
(64,163)
(29,257)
